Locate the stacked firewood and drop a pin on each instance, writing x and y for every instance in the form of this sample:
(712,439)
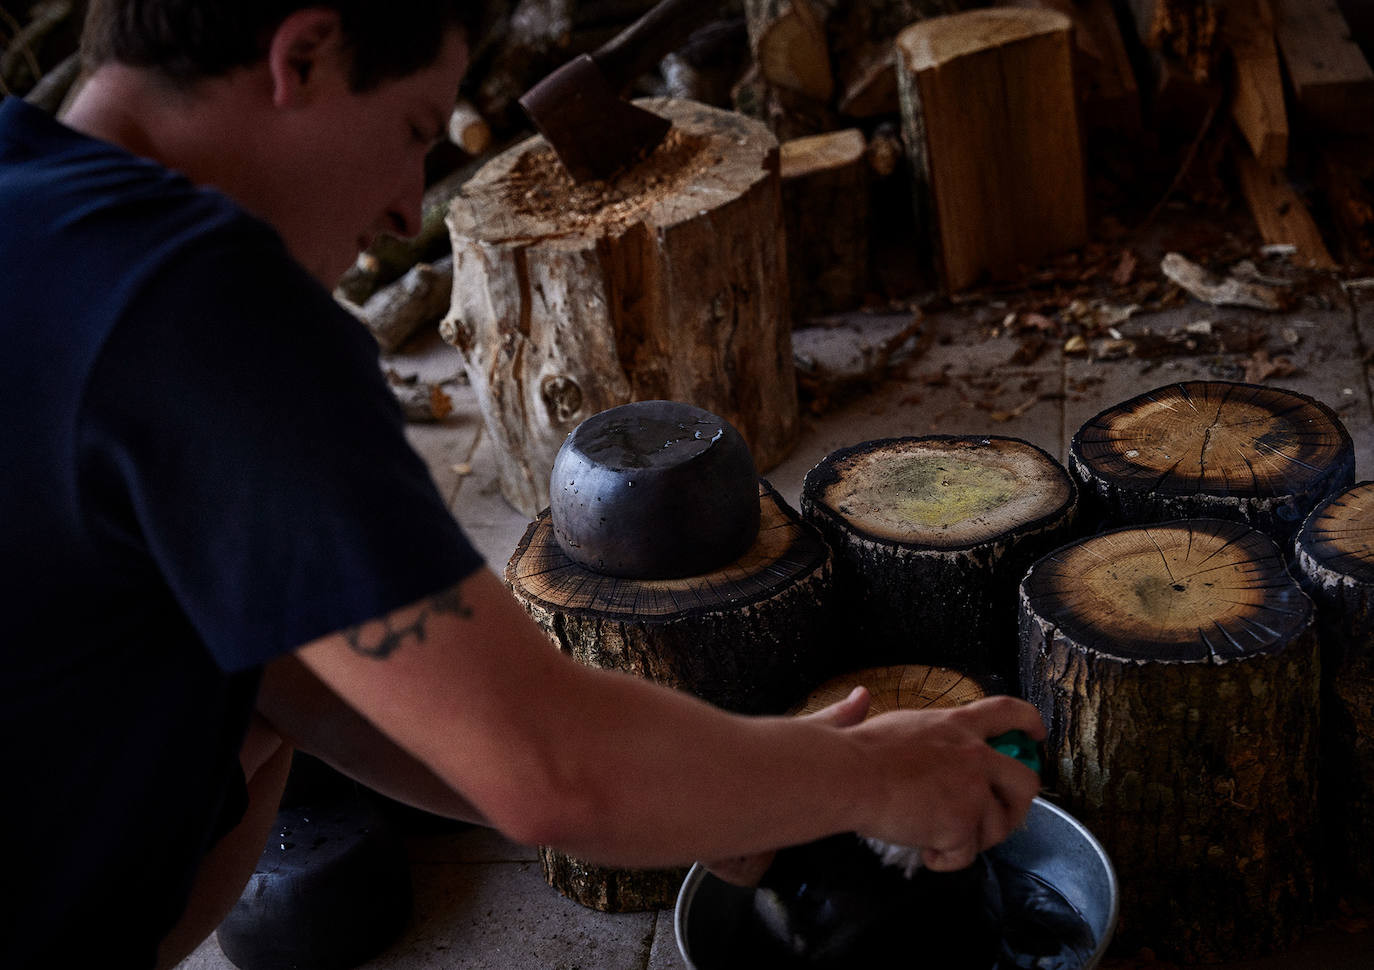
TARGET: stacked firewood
(1270,101)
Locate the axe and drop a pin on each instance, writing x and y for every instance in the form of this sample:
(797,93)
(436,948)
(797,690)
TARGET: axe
(580,109)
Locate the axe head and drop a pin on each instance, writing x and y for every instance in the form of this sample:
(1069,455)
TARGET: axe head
(593,130)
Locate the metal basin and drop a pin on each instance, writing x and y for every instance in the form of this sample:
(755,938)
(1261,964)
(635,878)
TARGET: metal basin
(1051,844)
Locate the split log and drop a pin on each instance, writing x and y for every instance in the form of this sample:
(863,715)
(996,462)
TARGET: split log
(1177,672)
(1244,452)
(931,536)
(750,637)
(1257,104)
(1280,213)
(397,311)
(990,120)
(1331,78)
(667,283)
(825,212)
(788,41)
(468,129)
(1335,564)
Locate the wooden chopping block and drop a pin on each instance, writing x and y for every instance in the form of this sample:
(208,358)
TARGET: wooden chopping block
(1176,668)
(667,283)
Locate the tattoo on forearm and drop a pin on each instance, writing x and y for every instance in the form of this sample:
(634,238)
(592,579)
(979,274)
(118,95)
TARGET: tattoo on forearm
(379,639)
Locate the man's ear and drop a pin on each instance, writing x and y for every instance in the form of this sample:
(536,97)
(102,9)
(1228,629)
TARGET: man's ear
(307,43)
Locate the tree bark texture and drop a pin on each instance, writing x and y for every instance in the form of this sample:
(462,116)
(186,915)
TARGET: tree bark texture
(1335,564)
(989,115)
(751,637)
(931,536)
(1177,670)
(667,283)
(1245,452)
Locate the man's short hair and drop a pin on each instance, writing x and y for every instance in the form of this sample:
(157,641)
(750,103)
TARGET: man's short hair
(188,40)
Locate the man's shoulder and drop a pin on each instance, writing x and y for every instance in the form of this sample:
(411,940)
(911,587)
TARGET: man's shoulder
(63,189)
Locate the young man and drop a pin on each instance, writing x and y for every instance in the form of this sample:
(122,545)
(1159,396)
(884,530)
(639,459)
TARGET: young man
(216,537)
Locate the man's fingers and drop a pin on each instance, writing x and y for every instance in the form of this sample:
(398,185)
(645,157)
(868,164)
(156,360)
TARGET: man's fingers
(992,716)
(848,712)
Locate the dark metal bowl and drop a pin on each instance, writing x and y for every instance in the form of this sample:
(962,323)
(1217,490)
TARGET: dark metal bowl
(654,490)
(1050,844)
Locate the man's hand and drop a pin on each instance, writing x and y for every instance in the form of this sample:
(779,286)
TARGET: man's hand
(952,794)
(747,870)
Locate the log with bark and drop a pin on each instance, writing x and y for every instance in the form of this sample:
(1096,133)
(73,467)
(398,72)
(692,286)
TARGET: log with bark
(989,116)
(1335,564)
(1244,452)
(931,536)
(667,283)
(825,210)
(1176,669)
(399,310)
(749,637)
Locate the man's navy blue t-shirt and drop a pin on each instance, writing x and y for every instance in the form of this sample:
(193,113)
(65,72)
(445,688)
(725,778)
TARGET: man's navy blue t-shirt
(201,469)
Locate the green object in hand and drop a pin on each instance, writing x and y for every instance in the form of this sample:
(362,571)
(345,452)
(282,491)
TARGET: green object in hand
(1018,745)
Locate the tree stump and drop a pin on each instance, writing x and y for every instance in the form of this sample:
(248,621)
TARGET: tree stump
(989,115)
(899,687)
(931,536)
(750,637)
(1260,455)
(668,282)
(825,211)
(1176,667)
(1335,564)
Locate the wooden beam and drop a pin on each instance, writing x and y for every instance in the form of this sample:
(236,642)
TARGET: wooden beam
(1280,213)
(1332,79)
(1257,104)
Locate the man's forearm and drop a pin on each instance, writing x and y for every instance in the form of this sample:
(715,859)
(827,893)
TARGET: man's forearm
(314,720)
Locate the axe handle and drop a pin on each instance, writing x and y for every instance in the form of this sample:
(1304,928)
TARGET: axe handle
(661,30)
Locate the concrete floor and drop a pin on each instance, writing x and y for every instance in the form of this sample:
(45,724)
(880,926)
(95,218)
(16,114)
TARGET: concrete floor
(480,902)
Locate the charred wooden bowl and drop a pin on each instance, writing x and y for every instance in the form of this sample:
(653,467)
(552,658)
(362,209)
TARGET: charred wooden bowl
(654,490)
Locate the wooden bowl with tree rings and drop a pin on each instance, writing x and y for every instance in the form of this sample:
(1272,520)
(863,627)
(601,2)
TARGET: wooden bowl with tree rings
(654,490)
(1212,449)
